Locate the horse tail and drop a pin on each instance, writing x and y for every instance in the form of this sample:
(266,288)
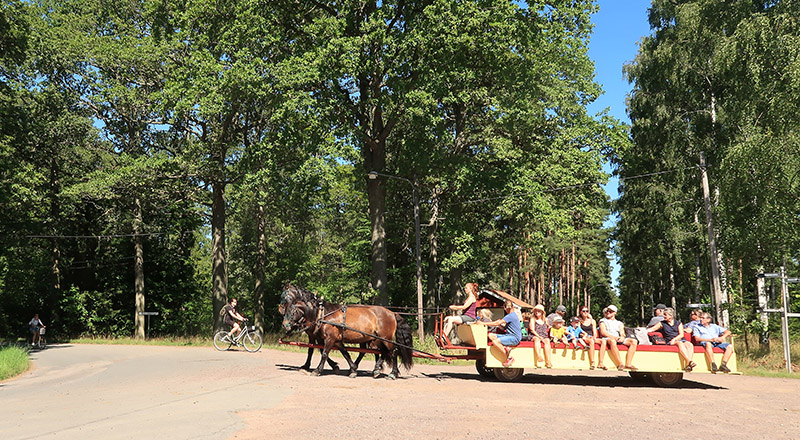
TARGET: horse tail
(404,338)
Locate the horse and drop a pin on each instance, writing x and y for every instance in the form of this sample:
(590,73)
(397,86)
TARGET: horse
(335,325)
(289,296)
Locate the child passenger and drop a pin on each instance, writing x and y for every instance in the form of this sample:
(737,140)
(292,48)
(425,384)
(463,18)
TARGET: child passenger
(541,338)
(558,333)
(577,335)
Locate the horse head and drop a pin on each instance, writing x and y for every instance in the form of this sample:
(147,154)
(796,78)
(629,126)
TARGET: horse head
(298,317)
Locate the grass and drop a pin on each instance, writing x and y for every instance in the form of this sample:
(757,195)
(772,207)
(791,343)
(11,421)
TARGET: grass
(13,361)
(756,360)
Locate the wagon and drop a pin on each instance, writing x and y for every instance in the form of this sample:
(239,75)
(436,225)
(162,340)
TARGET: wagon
(659,363)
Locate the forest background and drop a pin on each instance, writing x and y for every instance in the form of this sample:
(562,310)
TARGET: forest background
(166,156)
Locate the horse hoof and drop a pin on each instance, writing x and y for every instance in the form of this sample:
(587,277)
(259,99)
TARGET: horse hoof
(391,376)
(375,374)
(353,374)
(315,373)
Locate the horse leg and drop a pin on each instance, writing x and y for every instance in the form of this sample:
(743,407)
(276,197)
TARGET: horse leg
(307,365)
(346,354)
(379,358)
(395,369)
(329,342)
(361,354)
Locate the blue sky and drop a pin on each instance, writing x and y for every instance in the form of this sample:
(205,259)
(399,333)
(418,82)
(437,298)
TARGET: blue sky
(618,27)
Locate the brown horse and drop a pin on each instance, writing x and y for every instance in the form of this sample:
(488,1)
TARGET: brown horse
(334,325)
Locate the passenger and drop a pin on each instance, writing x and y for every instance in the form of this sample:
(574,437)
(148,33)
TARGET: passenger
(540,332)
(612,330)
(713,336)
(672,330)
(694,320)
(561,311)
(512,336)
(468,314)
(485,315)
(558,333)
(658,315)
(577,335)
(589,325)
(526,320)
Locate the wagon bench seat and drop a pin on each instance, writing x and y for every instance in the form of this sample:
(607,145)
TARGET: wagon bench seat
(648,358)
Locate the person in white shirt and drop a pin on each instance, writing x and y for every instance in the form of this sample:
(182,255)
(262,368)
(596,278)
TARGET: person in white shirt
(34,325)
(612,331)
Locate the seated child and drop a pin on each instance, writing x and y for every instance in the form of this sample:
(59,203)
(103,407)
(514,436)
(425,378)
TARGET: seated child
(576,334)
(485,315)
(558,333)
(526,319)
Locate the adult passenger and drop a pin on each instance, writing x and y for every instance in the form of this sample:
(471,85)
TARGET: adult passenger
(589,325)
(512,336)
(672,330)
(658,315)
(468,314)
(560,312)
(712,336)
(612,331)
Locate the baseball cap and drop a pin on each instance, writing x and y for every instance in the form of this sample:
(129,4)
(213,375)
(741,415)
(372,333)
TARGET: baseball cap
(661,306)
(613,308)
(575,319)
(558,319)
(561,308)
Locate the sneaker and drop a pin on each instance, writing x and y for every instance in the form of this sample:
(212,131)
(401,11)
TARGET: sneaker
(508,362)
(724,368)
(690,367)
(714,368)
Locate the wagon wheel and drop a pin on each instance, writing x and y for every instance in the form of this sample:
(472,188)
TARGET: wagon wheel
(508,374)
(667,379)
(480,365)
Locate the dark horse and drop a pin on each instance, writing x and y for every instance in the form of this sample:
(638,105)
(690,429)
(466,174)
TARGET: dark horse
(333,325)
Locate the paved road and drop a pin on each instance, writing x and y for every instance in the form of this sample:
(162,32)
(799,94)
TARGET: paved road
(91,392)
(107,391)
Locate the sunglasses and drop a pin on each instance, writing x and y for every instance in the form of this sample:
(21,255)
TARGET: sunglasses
(584,310)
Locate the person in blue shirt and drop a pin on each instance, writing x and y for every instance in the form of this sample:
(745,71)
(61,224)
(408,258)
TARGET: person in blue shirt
(711,336)
(512,336)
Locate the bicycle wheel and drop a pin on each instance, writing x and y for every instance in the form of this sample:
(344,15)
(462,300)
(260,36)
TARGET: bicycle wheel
(221,341)
(252,341)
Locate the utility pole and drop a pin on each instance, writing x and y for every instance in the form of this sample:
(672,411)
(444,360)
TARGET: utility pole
(716,290)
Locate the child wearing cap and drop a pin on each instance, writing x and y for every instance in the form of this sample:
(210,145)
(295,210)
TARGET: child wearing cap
(577,335)
(558,333)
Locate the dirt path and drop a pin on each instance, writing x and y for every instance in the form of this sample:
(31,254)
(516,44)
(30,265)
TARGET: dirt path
(109,392)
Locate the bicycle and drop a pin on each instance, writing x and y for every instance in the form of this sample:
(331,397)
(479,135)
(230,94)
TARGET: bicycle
(41,343)
(249,338)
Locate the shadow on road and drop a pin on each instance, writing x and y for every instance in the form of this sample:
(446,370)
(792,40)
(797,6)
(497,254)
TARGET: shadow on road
(580,380)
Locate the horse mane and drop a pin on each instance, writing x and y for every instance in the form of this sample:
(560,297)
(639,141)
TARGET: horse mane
(292,294)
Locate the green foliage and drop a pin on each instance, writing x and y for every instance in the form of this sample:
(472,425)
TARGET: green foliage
(13,361)
(718,77)
(124,119)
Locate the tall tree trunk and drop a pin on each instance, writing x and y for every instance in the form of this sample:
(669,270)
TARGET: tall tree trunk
(433,256)
(219,270)
(138,269)
(376,191)
(261,264)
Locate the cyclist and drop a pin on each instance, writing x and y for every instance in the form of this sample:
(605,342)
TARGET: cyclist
(34,325)
(232,318)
